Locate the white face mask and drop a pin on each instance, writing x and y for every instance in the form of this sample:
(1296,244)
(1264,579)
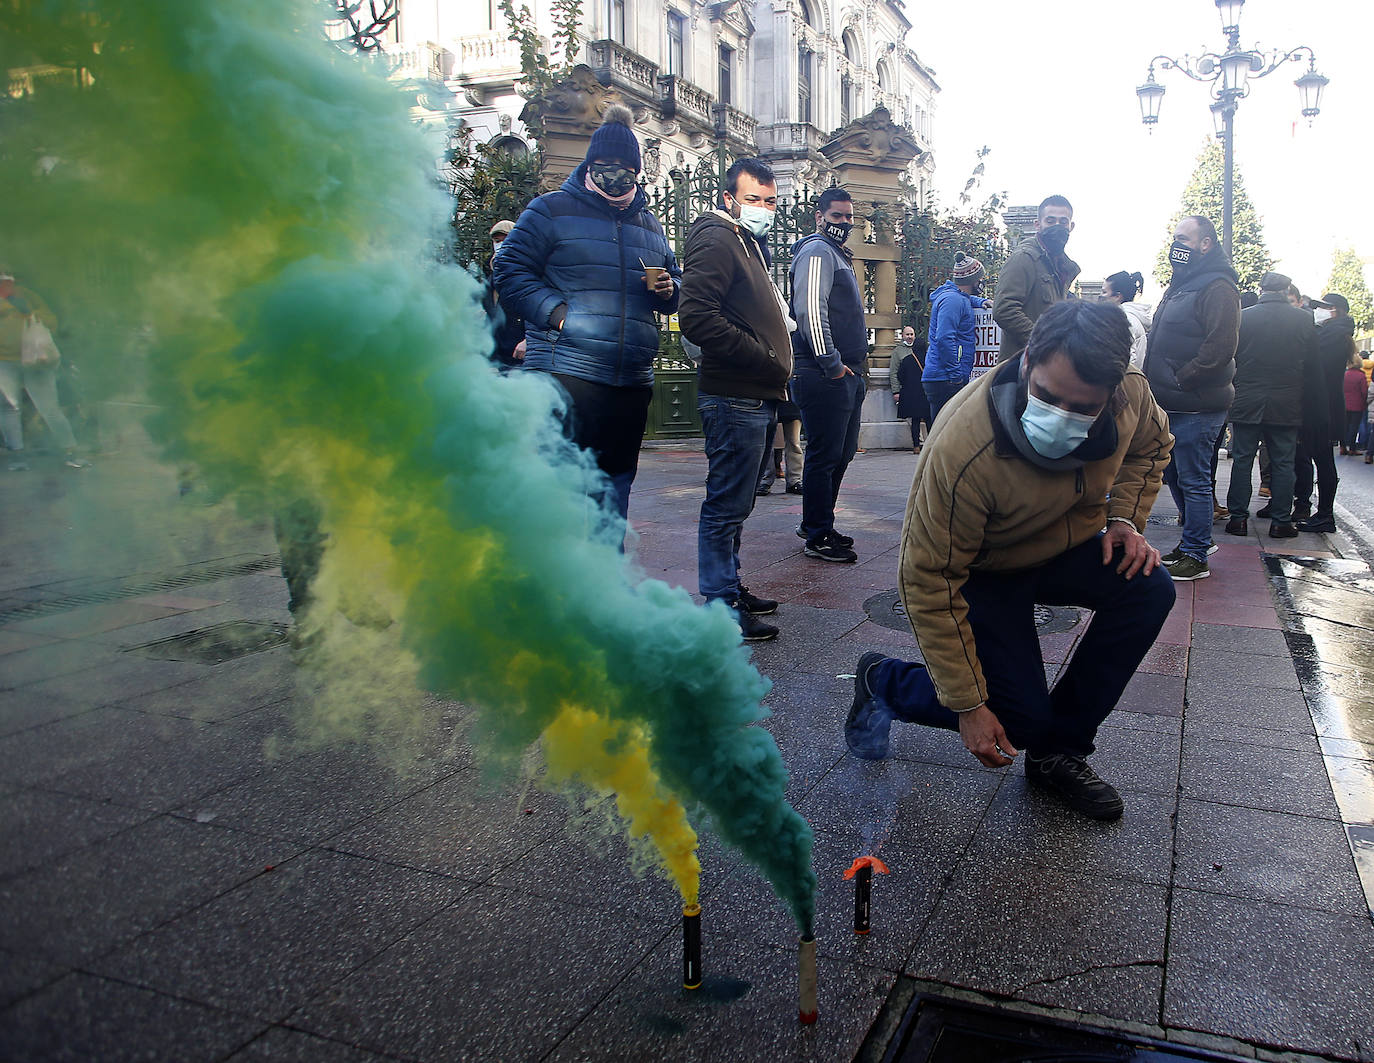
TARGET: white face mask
(758,220)
(1320,315)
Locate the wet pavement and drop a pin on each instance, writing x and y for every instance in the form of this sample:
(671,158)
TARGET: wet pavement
(186,874)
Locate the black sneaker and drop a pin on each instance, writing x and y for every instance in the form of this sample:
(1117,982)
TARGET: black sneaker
(843,540)
(794,489)
(1073,781)
(1265,511)
(1238,526)
(755,605)
(866,729)
(1318,523)
(828,548)
(753,629)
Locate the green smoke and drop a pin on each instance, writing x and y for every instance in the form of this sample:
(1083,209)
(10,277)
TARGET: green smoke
(255,204)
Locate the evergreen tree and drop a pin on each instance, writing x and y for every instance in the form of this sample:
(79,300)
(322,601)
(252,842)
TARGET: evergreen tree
(1347,278)
(1203,196)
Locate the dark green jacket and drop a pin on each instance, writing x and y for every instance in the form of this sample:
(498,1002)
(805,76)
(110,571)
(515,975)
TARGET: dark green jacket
(1028,284)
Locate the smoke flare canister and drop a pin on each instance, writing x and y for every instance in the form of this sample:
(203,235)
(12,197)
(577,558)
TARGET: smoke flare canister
(691,946)
(863,894)
(806,968)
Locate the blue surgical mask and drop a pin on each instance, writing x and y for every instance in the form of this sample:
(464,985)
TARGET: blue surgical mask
(758,220)
(1054,432)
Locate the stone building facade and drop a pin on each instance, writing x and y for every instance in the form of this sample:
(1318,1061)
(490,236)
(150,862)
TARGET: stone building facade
(772,77)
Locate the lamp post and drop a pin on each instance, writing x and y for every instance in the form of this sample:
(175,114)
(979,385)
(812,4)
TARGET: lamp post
(1229,75)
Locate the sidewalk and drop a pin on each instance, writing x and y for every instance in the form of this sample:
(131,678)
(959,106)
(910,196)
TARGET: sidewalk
(182,877)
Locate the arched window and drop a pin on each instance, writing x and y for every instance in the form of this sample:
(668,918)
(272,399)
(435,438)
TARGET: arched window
(851,46)
(510,146)
(884,76)
(806,14)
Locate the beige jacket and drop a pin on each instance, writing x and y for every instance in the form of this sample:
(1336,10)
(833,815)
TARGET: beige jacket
(979,503)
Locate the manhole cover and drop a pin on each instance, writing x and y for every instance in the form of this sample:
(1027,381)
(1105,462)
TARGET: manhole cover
(934,1030)
(885,609)
(217,643)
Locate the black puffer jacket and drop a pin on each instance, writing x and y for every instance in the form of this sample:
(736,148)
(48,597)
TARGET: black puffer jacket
(1190,359)
(1333,352)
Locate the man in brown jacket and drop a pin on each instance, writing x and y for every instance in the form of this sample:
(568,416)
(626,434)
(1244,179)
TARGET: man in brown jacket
(1033,489)
(1035,277)
(731,310)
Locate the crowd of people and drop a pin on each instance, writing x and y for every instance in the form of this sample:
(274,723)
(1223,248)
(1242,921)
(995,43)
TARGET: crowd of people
(1033,481)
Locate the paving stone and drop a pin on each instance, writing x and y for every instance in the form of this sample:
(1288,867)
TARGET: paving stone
(56,659)
(1227,733)
(1280,780)
(462,826)
(1352,781)
(268,945)
(1288,977)
(23,709)
(282,1045)
(1280,710)
(1242,670)
(746,1008)
(312,796)
(1155,695)
(124,885)
(173,623)
(499,976)
(1272,856)
(16,642)
(81,1017)
(1140,761)
(1089,943)
(1345,747)
(117,680)
(1124,720)
(21,975)
(1025,824)
(1226,638)
(42,826)
(1334,717)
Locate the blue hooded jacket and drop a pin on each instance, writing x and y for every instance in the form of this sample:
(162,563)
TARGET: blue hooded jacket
(572,246)
(952,335)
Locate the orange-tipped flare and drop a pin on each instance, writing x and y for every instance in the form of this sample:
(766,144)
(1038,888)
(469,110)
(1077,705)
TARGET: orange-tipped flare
(862,873)
(866,861)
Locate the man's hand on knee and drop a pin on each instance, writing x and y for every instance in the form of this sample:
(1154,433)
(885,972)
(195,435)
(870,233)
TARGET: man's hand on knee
(983,736)
(1137,555)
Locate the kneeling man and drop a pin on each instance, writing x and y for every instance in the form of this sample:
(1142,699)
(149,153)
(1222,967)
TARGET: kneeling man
(1033,489)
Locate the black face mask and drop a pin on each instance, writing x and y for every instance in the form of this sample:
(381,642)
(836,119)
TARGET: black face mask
(1054,238)
(1180,255)
(838,230)
(612,178)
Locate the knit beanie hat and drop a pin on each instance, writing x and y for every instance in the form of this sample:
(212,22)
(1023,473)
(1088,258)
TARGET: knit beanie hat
(615,139)
(967,269)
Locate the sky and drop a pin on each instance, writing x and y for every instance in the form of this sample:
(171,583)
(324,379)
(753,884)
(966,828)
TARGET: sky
(1053,96)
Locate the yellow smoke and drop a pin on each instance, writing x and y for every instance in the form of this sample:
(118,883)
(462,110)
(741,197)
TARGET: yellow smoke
(612,757)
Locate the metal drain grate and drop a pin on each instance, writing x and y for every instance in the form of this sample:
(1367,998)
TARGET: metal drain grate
(134,587)
(217,643)
(885,609)
(932,1029)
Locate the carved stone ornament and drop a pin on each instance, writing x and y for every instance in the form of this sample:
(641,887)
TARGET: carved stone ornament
(575,104)
(874,138)
(652,160)
(504,122)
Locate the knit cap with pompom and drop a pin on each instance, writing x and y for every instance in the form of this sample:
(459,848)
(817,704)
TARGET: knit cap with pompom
(615,139)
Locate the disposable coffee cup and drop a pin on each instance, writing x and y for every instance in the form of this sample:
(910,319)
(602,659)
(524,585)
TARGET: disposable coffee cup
(651,275)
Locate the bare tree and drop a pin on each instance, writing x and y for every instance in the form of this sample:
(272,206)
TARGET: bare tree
(367,21)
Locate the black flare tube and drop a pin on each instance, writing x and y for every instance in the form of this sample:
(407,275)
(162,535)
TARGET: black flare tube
(863,895)
(691,946)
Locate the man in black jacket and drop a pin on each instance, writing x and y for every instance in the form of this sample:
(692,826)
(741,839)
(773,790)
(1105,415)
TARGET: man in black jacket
(1190,360)
(1324,414)
(831,358)
(1277,342)
(731,310)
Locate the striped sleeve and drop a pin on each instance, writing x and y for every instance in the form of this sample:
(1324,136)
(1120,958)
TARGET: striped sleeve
(813,279)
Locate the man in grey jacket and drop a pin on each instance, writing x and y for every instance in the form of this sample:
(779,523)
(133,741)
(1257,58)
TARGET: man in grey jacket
(831,353)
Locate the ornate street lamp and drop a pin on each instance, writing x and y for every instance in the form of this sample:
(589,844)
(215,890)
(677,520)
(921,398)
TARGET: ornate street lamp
(1229,75)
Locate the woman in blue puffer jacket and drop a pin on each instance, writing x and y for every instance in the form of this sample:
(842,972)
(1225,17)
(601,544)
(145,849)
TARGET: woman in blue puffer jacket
(574,267)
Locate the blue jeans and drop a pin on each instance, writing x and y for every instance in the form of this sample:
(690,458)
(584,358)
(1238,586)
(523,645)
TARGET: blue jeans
(940,392)
(830,411)
(737,436)
(1189,476)
(1282,443)
(1001,611)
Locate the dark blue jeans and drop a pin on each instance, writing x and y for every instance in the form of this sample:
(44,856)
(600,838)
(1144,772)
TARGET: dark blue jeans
(1001,609)
(940,392)
(608,421)
(737,437)
(1189,476)
(830,411)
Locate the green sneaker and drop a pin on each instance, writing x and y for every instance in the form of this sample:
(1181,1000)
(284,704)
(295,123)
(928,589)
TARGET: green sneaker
(1187,568)
(1173,555)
